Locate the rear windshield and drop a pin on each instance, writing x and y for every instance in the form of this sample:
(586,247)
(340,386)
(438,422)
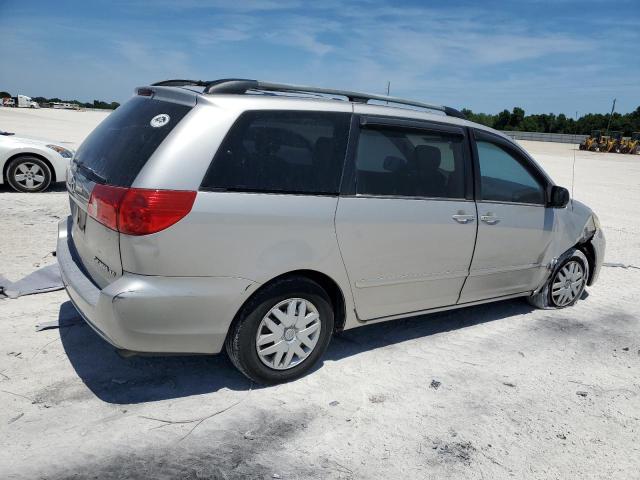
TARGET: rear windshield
(118,148)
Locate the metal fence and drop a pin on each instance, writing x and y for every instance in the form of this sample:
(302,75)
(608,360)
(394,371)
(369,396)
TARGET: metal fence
(546,137)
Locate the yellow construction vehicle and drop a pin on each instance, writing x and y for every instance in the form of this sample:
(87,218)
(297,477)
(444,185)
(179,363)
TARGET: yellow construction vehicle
(612,143)
(631,145)
(592,141)
(603,141)
(625,145)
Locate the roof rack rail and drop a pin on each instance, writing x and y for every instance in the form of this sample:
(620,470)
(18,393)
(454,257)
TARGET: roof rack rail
(180,83)
(241,86)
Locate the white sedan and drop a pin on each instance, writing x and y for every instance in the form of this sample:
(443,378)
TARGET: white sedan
(29,165)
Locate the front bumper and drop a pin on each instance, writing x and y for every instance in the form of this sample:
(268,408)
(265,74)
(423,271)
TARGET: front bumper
(143,313)
(599,244)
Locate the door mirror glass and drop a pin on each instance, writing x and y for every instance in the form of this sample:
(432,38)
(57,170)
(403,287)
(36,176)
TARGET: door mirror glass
(559,197)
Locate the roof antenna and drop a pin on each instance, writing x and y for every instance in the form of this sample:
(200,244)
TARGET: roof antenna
(388,89)
(573,168)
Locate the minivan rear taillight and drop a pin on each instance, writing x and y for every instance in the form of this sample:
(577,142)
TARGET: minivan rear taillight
(138,211)
(104,204)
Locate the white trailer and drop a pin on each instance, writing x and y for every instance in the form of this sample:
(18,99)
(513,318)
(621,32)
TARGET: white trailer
(65,105)
(26,102)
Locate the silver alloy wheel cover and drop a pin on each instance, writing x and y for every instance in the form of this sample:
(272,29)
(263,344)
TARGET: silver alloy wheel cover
(567,283)
(29,175)
(288,333)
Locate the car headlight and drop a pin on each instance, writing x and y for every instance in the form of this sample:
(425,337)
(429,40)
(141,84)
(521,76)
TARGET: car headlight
(61,150)
(596,221)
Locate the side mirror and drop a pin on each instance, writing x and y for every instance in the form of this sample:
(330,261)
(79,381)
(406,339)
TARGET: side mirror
(559,197)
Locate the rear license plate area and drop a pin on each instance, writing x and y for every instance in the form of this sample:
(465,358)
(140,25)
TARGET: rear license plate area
(79,217)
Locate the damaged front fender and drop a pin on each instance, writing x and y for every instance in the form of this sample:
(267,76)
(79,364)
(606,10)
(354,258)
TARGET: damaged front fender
(581,229)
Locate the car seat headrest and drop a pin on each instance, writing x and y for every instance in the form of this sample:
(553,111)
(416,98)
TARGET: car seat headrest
(393,164)
(428,157)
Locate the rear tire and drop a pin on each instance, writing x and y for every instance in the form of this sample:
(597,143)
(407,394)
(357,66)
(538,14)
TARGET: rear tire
(28,174)
(282,331)
(566,283)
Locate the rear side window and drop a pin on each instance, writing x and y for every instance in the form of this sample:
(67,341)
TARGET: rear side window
(395,162)
(119,147)
(276,151)
(504,179)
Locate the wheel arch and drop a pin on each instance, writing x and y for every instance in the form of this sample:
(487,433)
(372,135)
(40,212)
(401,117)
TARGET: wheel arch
(5,167)
(325,281)
(587,249)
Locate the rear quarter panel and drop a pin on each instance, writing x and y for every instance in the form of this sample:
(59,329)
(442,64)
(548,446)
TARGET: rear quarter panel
(244,235)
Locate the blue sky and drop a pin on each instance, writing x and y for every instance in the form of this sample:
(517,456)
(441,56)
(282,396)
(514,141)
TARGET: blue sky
(562,56)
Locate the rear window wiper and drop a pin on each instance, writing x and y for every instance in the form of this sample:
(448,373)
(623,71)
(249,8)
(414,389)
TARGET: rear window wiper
(92,174)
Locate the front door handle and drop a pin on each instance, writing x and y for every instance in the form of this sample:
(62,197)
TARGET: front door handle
(463,218)
(489,219)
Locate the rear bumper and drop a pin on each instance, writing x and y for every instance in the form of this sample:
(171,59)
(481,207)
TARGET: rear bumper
(153,314)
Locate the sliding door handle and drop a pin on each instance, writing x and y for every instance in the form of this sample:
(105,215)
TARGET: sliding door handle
(461,218)
(489,219)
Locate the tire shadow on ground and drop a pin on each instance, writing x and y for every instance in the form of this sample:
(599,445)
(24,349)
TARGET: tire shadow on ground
(119,380)
(369,337)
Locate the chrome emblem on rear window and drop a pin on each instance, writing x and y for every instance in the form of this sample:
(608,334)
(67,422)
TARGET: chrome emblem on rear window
(160,120)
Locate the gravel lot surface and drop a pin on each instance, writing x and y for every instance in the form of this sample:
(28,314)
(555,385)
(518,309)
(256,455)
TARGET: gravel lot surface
(489,392)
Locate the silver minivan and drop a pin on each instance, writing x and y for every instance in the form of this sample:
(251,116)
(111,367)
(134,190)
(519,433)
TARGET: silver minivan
(261,218)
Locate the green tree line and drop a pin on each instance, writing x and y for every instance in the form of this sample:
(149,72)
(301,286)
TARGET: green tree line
(552,123)
(95,104)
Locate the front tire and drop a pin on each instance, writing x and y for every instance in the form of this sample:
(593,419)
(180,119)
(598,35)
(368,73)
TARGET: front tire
(282,331)
(28,174)
(566,283)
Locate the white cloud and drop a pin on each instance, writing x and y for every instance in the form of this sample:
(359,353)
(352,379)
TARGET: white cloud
(419,38)
(466,57)
(224,5)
